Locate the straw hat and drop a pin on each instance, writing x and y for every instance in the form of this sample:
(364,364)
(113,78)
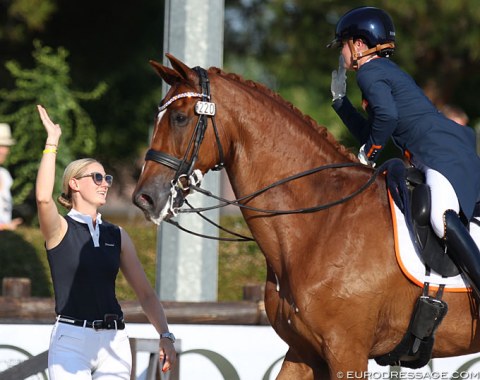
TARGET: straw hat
(6,135)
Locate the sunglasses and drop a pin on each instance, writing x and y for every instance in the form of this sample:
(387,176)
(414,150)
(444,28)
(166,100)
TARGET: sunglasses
(98,178)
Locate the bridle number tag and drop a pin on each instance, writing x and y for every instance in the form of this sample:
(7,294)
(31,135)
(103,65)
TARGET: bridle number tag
(205,108)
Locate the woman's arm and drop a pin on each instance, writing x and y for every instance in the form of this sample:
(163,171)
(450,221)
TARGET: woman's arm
(52,225)
(133,271)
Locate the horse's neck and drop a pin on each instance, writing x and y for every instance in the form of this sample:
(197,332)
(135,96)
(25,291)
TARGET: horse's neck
(271,142)
(266,141)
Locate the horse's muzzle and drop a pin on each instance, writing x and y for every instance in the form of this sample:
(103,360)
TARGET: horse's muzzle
(156,210)
(145,203)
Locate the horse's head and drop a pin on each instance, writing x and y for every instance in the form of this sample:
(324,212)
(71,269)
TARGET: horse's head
(177,156)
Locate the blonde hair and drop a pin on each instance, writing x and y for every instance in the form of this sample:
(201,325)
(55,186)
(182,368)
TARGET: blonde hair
(74,169)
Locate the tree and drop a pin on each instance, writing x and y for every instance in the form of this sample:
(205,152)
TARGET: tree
(20,17)
(107,42)
(49,84)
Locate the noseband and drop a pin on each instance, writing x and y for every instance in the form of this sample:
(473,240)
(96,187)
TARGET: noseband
(204,109)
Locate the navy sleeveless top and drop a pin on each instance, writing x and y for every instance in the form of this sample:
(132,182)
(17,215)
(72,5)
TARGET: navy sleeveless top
(83,275)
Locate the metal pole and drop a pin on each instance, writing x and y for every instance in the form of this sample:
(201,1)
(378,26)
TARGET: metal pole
(187,266)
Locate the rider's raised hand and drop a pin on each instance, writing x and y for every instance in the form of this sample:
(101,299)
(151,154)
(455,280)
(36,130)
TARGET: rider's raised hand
(338,86)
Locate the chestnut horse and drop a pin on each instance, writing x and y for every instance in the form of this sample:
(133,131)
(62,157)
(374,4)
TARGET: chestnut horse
(334,291)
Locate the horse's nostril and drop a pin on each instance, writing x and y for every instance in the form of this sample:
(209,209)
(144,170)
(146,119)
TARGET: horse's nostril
(144,201)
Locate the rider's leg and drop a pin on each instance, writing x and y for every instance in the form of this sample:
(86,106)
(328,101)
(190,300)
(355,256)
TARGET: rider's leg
(447,225)
(443,198)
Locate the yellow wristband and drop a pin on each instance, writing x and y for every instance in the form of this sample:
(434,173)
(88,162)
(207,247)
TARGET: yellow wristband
(50,150)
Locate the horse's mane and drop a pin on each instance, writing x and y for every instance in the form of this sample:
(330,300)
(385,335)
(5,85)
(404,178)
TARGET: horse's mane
(323,131)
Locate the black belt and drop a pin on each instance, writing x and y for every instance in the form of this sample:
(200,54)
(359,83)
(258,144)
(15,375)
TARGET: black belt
(98,324)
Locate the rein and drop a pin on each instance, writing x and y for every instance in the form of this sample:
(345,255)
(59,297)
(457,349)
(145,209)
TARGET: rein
(237,201)
(325,206)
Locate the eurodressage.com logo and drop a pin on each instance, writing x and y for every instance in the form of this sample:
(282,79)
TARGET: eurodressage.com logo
(438,375)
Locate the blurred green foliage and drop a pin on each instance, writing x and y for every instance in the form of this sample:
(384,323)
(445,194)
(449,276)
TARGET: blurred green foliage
(283,44)
(48,84)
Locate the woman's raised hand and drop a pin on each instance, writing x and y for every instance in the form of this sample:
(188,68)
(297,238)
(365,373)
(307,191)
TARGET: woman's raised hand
(53,130)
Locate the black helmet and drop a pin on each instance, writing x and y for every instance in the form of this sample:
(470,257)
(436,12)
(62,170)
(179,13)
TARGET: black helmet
(371,24)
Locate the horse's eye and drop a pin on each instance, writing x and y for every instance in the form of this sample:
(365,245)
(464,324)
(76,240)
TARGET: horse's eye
(179,119)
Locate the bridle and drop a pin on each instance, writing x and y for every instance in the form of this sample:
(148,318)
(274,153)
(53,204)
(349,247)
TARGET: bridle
(184,168)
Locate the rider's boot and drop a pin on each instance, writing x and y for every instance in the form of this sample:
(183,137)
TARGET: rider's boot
(463,249)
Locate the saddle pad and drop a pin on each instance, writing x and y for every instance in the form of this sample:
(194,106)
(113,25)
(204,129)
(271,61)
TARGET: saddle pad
(411,263)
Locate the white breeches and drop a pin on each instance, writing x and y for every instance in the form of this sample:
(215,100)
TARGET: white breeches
(82,353)
(443,198)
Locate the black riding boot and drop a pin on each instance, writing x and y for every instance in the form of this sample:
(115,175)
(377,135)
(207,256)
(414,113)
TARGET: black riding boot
(463,249)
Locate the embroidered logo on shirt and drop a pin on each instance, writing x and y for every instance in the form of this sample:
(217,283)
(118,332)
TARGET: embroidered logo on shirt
(109,245)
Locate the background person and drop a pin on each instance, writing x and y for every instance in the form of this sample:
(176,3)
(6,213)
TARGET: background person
(455,113)
(399,110)
(85,253)
(6,203)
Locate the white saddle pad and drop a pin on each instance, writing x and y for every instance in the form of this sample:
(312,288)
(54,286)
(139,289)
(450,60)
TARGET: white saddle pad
(411,263)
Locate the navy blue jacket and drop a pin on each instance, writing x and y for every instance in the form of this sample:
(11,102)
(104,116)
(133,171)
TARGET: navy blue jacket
(398,109)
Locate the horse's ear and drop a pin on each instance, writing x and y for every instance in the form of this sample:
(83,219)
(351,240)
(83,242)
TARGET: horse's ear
(180,71)
(186,72)
(166,73)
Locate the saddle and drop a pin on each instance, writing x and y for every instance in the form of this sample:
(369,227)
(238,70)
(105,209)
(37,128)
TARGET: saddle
(412,196)
(430,246)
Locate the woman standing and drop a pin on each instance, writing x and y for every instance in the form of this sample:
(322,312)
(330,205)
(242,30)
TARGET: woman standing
(85,253)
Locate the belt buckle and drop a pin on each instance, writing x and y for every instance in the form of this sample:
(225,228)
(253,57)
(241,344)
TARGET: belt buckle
(97,324)
(110,321)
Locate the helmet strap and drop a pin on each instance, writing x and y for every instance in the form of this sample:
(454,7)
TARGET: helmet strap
(357,55)
(376,49)
(354,54)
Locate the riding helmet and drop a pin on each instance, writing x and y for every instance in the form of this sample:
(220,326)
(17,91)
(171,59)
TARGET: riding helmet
(373,25)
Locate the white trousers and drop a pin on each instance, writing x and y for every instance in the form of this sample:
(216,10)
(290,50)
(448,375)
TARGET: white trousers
(443,198)
(82,353)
